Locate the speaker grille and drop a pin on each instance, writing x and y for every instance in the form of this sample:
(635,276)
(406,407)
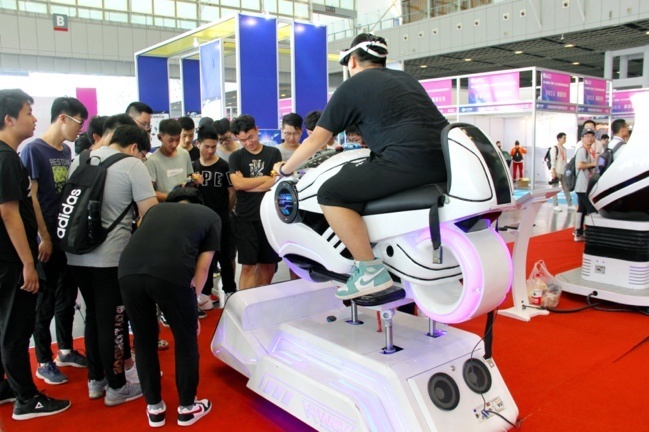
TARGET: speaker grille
(443,391)
(477,376)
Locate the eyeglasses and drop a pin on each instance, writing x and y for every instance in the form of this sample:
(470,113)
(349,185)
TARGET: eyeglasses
(145,126)
(77,121)
(292,134)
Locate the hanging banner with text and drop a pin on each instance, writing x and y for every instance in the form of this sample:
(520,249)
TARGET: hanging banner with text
(494,88)
(595,92)
(555,87)
(622,101)
(441,93)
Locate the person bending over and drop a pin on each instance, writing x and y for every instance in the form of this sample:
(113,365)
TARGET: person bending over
(167,262)
(401,126)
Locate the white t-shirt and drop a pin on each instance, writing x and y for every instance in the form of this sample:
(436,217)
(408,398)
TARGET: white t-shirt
(169,172)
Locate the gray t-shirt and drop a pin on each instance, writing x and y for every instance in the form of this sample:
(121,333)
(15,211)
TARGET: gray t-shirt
(126,181)
(226,156)
(583,175)
(169,172)
(286,154)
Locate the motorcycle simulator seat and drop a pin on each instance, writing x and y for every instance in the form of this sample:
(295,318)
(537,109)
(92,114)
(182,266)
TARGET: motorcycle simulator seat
(419,198)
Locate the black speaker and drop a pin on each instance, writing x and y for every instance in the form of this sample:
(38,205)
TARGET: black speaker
(443,391)
(476,376)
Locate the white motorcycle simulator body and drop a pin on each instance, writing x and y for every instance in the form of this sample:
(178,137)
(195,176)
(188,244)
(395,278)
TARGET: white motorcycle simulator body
(471,272)
(296,343)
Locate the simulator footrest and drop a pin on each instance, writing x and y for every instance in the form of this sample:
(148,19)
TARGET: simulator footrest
(381,297)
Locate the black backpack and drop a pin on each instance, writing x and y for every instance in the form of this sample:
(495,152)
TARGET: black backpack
(606,158)
(548,157)
(570,176)
(79,228)
(518,156)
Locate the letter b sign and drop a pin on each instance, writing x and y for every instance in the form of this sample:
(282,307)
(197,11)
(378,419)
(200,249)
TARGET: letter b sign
(60,22)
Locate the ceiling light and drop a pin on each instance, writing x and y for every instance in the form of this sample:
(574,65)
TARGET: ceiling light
(518,52)
(647,33)
(283,95)
(569,45)
(467,59)
(423,66)
(575,63)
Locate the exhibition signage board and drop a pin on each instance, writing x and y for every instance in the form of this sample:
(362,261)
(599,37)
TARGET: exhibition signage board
(494,88)
(487,109)
(211,77)
(555,87)
(441,93)
(285,107)
(603,110)
(547,106)
(622,101)
(595,92)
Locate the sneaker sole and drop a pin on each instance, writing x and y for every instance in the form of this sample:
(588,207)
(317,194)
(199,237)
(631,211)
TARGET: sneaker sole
(208,305)
(367,291)
(48,381)
(157,424)
(111,403)
(195,419)
(62,364)
(6,401)
(36,415)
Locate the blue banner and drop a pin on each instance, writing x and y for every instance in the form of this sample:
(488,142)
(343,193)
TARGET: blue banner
(211,59)
(257,69)
(153,82)
(191,88)
(310,80)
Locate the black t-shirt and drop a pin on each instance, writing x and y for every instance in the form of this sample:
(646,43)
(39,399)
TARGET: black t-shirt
(395,116)
(194,154)
(15,185)
(252,165)
(216,182)
(169,240)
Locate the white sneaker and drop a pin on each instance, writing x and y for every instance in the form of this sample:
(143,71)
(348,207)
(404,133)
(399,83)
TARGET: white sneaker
(557,209)
(131,375)
(205,302)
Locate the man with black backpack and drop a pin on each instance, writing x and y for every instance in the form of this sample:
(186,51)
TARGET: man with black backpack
(126,181)
(620,130)
(585,164)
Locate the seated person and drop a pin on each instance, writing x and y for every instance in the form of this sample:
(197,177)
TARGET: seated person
(401,126)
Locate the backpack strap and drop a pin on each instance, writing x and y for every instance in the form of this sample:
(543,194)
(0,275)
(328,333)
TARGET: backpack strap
(617,146)
(106,164)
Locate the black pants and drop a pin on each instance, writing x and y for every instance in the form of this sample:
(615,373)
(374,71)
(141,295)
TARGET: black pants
(106,333)
(17,312)
(584,207)
(55,300)
(141,293)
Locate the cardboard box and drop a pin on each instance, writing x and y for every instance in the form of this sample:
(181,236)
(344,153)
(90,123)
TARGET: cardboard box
(523,182)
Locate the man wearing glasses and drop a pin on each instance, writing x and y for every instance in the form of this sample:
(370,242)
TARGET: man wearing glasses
(48,160)
(291,132)
(225,140)
(141,114)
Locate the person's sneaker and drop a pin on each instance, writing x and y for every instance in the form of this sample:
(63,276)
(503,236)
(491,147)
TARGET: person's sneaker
(580,238)
(205,302)
(163,320)
(96,388)
(129,392)
(572,207)
(368,277)
(51,374)
(557,209)
(7,395)
(201,313)
(189,416)
(74,358)
(156,416)
(39,406)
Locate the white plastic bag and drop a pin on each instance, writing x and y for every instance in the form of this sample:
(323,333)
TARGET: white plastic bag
(542,288)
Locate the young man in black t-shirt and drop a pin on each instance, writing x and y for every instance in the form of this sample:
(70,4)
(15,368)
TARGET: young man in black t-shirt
(19,281)
(250,169)
(172,249)
(401,126)
(219,195)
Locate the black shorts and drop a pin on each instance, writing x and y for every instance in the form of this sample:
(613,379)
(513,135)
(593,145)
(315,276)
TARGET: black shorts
(356,184)
(253,245)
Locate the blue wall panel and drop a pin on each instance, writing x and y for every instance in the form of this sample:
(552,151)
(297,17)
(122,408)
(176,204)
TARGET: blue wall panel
(258,70)
(153,82)
(310,83)
(191,86)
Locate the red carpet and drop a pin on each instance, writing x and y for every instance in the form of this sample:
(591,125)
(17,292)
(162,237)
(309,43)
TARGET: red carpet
(567,372)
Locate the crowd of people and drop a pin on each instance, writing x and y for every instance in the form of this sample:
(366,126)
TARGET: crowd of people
(207,181)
